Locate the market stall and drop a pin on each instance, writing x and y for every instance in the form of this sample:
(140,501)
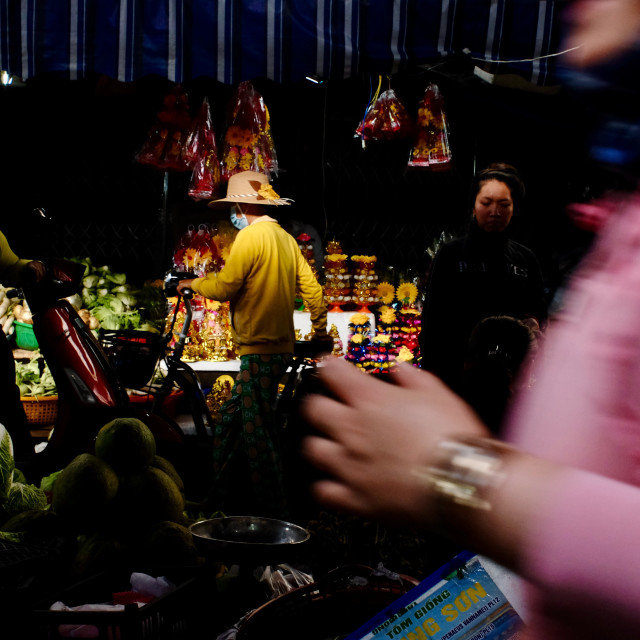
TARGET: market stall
(179,152)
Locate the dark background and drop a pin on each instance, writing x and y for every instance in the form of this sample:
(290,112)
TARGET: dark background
(69,148)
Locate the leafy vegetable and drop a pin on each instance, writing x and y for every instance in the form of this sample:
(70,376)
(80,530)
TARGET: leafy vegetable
(76,301)
(24,496)
(46,484)
(12,537)
(90,281)
(117,304)
(127,299)
(117,278)
(34,378)
(7,463)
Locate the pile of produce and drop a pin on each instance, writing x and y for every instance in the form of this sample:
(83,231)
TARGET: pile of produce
(7,306)
(116,304)
(122,505)
(124,502)
(34,378)
(16,495)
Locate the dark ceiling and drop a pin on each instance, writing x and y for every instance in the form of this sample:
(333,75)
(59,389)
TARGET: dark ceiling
(70,146)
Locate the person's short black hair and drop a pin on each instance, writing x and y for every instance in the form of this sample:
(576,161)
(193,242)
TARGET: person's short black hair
(504,173)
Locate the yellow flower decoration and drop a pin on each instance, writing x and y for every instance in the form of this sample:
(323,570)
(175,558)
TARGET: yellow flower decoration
(404,355)
(248,139)
(357,338)
(364,258)
(336,257)
(266,191)
(190,257)
(387,315)
(407,292)
(234,136)
(386,292)
(359,318)
(382,338)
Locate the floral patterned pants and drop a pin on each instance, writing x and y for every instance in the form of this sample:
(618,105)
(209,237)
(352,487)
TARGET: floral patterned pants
(247,460)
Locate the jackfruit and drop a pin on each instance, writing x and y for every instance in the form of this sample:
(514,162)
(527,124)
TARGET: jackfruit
(83,492)
(126,444)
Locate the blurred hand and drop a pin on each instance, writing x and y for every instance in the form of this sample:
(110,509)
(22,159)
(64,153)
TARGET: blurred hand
(378,435)
(35,271)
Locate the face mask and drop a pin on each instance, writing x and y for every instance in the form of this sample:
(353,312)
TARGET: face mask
(237,222)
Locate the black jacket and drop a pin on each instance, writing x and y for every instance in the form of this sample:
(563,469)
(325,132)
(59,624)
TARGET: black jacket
(471,278)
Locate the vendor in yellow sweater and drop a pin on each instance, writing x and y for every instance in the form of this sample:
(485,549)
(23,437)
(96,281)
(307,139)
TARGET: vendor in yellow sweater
(260,278)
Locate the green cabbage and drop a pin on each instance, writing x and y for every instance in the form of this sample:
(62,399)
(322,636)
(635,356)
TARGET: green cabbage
(129,300)
(32,382)
(117,278)
(90,281)
(89,298)
(22,497)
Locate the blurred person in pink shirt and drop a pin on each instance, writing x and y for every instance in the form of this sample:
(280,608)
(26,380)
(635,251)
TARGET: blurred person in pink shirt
(558,501)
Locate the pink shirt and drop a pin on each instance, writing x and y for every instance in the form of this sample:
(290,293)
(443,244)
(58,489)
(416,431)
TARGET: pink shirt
(584,411)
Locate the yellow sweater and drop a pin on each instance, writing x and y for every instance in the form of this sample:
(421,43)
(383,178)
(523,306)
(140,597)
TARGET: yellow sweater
(260,277)
(11,267)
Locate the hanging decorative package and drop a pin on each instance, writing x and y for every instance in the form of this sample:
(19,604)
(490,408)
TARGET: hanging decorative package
(431,146)
(203,151)
(248,143)
(168,139)
(197,252)
(386,119)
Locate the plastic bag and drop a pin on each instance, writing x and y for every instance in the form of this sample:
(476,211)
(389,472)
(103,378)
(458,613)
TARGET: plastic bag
(203,152)
(431,146)
(197,252)
(168,138)
(386,119)
(248,144)
(283,578)
(179,254)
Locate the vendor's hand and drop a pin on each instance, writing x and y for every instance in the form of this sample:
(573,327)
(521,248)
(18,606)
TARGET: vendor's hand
(323,340)
(35,271)
(184,284)
(379,434)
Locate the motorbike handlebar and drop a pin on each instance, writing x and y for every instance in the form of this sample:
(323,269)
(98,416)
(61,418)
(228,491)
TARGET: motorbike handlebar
(173,279)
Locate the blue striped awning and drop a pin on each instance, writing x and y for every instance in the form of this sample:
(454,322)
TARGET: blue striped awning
(284,40)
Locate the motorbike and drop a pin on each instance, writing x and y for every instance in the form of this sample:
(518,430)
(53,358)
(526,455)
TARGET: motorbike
(91,393)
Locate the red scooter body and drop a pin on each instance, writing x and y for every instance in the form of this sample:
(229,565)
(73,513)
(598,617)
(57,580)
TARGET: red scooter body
(89,391)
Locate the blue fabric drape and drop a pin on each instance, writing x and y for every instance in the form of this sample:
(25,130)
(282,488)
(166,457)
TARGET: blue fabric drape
(285,40)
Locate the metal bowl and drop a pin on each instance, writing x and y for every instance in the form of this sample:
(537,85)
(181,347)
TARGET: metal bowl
(240,539)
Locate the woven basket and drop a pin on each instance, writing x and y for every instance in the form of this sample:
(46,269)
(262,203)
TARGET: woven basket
(40,410)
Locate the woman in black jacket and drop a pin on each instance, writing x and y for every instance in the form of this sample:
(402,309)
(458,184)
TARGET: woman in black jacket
(483,274)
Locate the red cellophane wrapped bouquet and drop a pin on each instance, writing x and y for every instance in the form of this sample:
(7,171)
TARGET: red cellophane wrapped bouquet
(210,336)
(248,144)
(202,148)
(168,138)
(431,147)
(386,119)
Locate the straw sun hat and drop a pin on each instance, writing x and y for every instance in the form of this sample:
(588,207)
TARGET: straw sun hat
(250,187)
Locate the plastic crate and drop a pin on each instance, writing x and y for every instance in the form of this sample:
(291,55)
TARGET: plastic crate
(175,616)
